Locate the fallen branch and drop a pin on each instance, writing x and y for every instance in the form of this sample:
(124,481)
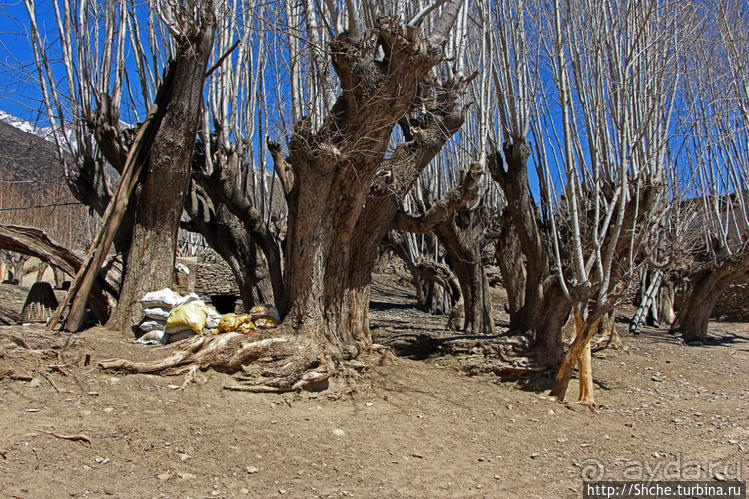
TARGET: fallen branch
(50,382)
(75,438)
(17,340)
(58,368)
(34,242)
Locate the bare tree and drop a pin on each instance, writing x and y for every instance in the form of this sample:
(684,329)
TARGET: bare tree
(616,80)
(344,189)
(719,88)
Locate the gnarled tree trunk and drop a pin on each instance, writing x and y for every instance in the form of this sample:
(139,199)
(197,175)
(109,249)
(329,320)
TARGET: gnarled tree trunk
(703,293)
(545,308)
(509,256)
(160,199)
(460,234)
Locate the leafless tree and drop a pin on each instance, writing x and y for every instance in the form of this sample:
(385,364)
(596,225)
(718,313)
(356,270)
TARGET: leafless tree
(344,186)
(718,87)
(616,80)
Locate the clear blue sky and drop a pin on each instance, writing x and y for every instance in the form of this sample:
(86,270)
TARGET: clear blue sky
(19,95)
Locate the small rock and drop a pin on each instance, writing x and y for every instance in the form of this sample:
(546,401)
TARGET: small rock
(109,492)
(416,454)
(34,383)
(185,476)
(164,476)
(656,455)
(32,410)
(173,387)
(251,470)
(534,455)
(497,477)
(281,491)
(184,456)
(369,404)
(339,432)
(481,459)
(719,476)
(94,394)
(108,409)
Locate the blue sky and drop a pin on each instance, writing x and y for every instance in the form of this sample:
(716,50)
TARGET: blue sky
(18,94)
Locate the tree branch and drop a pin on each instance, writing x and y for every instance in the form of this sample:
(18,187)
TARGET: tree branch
(454,199)
(282,167)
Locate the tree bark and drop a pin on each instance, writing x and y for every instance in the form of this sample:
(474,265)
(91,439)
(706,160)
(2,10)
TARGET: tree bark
(545,308)
(666,296)
(704,291)
(226,235)
(459,234)
(511,265)
(150,262)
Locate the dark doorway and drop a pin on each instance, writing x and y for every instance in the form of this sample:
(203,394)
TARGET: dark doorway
(224,303)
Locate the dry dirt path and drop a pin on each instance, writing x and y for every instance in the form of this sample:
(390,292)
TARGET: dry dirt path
(412,429)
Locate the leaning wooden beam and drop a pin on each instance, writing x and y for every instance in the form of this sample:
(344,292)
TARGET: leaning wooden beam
(35,242)
(113,215)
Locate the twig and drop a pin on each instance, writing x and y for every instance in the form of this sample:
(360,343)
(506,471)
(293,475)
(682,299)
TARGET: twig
(221,59)
(50,382)
(80,437)
(17,340)
(58,368)
(20,377)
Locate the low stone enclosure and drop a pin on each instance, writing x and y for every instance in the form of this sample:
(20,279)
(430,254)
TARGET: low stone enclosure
(215,284)
(733,304)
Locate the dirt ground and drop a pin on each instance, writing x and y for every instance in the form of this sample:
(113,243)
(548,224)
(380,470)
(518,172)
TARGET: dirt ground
(417,428)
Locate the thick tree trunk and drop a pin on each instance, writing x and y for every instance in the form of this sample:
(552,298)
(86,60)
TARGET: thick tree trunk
(160,199)
(704,291)
(509,256)
(552,313)
(459,234)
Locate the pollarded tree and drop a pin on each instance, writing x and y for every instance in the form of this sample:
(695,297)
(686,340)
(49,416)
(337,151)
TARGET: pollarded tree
(537,300)
(186,34)
(344,190)
(719,86)
(616,78)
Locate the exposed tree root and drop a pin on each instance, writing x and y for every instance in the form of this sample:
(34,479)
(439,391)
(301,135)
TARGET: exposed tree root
(266,364)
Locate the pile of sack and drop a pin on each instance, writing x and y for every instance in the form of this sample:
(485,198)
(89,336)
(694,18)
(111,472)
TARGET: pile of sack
(169,317)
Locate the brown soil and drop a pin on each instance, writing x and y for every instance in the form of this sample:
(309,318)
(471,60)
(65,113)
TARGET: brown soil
(416,428)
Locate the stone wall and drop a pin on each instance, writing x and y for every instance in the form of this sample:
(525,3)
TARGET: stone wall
(213,276)
(733,304)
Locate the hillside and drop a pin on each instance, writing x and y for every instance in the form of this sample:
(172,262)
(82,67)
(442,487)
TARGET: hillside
(25,156)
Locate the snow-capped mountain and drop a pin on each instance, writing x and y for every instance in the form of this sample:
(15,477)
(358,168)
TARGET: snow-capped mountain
(45,133)
(22,124)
